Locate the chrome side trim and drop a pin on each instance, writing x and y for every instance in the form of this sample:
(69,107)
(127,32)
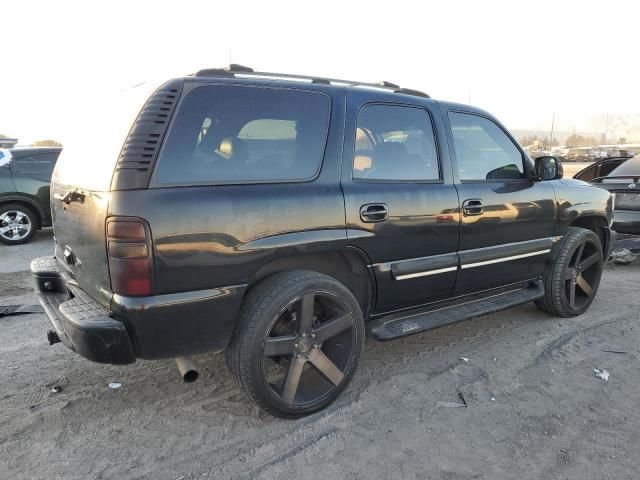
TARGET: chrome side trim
(426,273)
(505,259)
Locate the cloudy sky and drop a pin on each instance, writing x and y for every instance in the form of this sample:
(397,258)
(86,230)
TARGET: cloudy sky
(520,60)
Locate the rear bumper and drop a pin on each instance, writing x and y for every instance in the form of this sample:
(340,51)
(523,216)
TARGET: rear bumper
(625,221)
(160,326)
(82,324)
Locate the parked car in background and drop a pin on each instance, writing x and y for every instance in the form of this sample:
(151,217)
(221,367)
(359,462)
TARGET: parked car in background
(581,154)
(25,173)
(621,176)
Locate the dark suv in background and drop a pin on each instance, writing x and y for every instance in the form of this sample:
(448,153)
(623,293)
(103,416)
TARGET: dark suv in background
(621,176)
(281,218)
(25,173)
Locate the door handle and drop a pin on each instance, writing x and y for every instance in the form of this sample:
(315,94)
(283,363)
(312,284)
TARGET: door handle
(374,212)
(472,207)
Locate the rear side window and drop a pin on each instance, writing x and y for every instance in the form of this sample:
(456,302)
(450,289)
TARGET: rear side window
(236,134)
(598,170)
(39,165)
(395,143)
(483,150)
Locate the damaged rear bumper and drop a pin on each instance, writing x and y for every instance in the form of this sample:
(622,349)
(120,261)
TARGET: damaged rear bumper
(82,324)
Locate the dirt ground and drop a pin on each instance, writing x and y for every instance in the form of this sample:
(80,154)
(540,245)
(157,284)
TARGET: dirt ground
(534,407)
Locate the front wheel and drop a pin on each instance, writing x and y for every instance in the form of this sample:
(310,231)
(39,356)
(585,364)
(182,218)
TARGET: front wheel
(572,281)
(298,342)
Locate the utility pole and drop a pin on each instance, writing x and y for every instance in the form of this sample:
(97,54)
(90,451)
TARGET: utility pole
(553,120)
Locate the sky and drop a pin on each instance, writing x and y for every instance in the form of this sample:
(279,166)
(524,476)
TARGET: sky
(523,61)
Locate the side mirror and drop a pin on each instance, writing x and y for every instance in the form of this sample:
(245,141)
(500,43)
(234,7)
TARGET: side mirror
(548,168)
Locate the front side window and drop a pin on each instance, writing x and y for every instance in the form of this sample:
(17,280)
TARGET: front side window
(395,143)
(241,134)
(483,150)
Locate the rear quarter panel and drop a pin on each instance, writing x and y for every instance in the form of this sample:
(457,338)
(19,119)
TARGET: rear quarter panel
(219,236)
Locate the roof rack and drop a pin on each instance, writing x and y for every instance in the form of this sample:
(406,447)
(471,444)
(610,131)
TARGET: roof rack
(234,70)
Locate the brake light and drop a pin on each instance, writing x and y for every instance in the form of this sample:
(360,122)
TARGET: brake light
(130,261)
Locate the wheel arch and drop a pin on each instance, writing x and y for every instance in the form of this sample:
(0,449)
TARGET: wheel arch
(597,224)
(348,266)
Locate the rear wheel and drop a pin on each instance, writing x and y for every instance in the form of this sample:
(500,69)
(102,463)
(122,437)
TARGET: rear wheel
(17,224)
(572,281)
(298,342)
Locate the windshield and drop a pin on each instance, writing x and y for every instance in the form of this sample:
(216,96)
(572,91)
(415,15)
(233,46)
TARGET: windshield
(92,147)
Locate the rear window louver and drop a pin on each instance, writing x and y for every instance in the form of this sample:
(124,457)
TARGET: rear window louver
(140,150)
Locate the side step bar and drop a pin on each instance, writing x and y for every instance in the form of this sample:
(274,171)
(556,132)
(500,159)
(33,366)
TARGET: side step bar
(408,323)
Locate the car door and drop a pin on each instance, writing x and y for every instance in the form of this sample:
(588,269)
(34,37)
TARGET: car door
(401,205)
(507,221)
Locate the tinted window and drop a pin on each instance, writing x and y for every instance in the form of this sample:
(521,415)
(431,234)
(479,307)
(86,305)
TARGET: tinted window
(395,143)
(630,167)
(598,170)
(40,165)
(483,150)
(238,134)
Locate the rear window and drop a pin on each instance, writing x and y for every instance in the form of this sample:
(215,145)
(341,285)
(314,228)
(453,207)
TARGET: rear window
(98,129)
(237,134)
(629,168)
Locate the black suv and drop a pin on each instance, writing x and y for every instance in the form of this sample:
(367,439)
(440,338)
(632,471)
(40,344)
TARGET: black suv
(281,218)
(25,173)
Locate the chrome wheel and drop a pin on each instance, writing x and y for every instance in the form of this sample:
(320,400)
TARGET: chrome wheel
(15,225)
(309,347)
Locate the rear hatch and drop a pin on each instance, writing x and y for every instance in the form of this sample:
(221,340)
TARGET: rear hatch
(81,185)
(624,181)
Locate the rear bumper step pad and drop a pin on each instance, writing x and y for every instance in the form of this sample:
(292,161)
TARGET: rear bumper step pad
(81,323)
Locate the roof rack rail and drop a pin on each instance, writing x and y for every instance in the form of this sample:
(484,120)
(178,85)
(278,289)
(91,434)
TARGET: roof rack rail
(411,91)
(235,69)
(386,84)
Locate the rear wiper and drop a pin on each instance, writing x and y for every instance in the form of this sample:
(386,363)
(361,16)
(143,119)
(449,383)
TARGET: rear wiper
(70,196)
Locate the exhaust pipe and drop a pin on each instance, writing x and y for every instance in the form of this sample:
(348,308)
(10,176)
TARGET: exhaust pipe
(187,369)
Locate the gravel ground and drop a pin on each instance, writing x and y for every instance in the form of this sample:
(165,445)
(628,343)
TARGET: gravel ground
(18,257)
(534,407)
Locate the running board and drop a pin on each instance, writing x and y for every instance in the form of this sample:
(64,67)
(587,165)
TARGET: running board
(399,325)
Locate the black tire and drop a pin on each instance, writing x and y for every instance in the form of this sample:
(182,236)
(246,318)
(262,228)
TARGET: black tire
(281,320)
(30,218)
(572,280)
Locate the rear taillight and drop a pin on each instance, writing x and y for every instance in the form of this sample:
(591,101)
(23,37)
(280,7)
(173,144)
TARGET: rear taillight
(130,256)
